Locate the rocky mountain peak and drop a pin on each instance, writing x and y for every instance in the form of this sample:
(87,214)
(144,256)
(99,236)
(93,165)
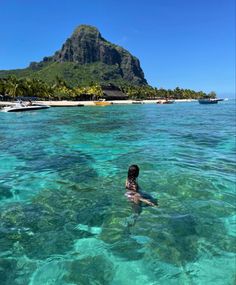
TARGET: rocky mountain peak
(87,46)
(84,30)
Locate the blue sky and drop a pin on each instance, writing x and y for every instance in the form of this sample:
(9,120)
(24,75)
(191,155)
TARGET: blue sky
(185,43)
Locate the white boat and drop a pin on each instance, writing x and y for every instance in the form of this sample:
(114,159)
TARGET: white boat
(21,107)
(209,100)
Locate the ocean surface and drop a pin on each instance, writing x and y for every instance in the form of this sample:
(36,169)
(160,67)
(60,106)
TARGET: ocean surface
(64,219)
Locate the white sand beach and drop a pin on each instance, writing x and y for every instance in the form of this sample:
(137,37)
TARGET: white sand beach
(65,103)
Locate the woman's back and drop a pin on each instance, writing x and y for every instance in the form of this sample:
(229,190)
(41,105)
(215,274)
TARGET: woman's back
(131,185)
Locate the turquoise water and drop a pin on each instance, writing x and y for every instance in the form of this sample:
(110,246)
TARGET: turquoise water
(64,216)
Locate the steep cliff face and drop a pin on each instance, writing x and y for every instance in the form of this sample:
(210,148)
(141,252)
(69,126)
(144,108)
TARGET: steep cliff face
(87,46)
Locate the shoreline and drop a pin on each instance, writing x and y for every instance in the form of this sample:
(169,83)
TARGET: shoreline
(114,102)
(65,103)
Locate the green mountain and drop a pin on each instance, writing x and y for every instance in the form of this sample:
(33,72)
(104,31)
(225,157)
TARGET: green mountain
(85,57)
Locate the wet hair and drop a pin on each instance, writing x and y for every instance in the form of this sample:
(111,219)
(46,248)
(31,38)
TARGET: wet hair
(133,171)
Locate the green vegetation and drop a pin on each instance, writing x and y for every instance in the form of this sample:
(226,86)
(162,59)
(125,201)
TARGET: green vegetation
(13,88)
(148,92)
(74,74)
(62,90)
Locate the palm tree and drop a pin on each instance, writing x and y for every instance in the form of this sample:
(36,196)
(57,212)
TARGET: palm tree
(12,87)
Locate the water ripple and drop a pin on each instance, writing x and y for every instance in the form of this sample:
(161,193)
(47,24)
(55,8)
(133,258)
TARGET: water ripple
(64,218)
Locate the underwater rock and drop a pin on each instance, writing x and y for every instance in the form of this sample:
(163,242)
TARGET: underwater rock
(5,192)
(48,225)
(8,271)
(67,206)
(50,272)
(183,239)
(128,249)
(92,246)
(85,271)
(32,214)
(213,209)
(176,242)
(25,268)
(116,232)
(63,270)
(18,220)
(12,215)
(183,225)
(40,231)
(114,227)
(215,233)
(91,230)
(76,167)
(95,214)
(44,244)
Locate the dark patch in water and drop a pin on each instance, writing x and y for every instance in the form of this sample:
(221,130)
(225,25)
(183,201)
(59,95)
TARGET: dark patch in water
(76,167)
(8,271)
(202,139)
(87,270)
(5,192)
(176,243)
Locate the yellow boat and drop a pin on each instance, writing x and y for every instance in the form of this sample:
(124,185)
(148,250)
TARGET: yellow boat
(102,103)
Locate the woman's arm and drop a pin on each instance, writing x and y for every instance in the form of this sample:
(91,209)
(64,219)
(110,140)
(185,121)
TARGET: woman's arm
(147,202)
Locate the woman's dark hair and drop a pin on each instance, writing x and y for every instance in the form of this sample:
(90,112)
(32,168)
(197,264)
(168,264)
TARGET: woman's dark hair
(133,171)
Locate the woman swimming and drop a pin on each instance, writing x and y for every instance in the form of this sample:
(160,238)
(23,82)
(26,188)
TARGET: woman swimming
(132,187)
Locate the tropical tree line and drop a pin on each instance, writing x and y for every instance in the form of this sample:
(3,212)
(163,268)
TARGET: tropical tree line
(148,92)
(13,88)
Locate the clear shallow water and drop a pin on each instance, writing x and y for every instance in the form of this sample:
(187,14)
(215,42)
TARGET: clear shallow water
(65,220)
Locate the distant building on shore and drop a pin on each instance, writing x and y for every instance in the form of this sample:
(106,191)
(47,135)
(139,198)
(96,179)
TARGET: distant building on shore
(112,92)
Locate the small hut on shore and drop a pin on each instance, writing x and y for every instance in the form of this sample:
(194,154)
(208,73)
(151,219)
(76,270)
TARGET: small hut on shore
(112,92)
